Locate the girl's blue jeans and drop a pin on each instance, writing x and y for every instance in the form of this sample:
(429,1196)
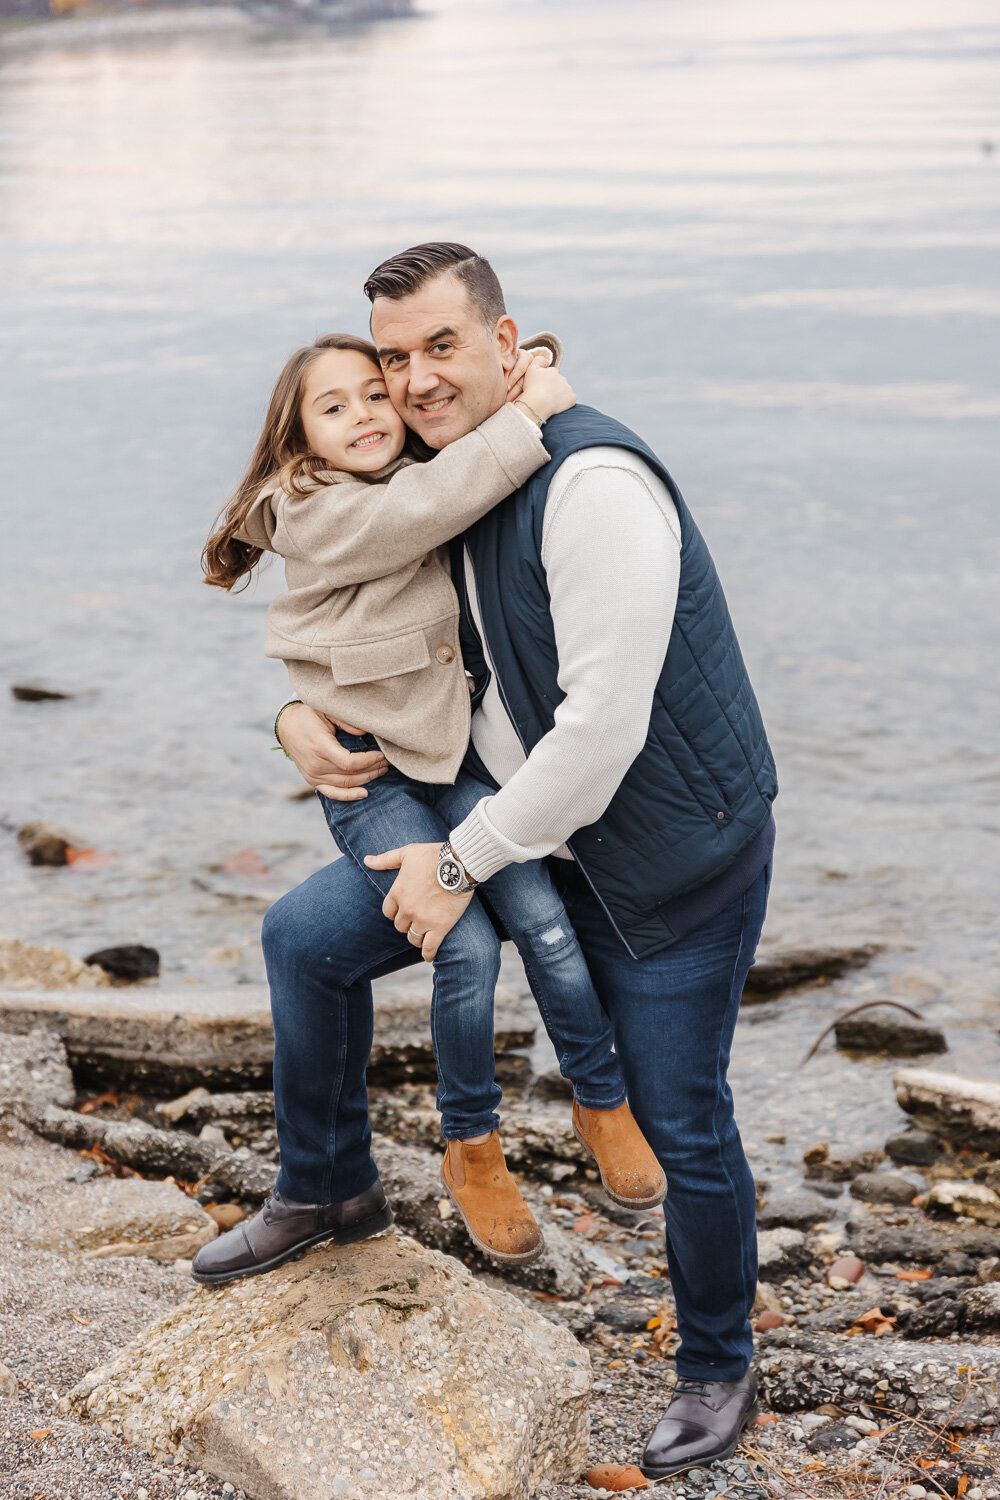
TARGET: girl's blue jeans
(522,898)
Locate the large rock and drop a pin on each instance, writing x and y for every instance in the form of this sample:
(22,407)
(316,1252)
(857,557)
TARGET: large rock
(157,1153)
(885,1187)
(124,1216)
(941,1383)
(920,1240)
(780,1251)
(914,1148)
(174,1039)
(157,1038)
(964,1110)
(793,968)
(982,1307)
(33,1070)
(31,966)
(891,1031)
(793,1210)
(377,1370)
(969,1200)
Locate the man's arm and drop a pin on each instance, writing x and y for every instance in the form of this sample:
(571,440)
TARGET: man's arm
(611,550)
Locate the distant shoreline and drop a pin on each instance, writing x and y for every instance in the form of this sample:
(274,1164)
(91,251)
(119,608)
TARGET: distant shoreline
(41,22)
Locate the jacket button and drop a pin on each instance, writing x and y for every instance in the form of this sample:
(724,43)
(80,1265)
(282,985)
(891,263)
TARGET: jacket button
(445,655)
(720,815)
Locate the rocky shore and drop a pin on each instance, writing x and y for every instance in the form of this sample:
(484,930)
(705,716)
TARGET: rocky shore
(136,1122)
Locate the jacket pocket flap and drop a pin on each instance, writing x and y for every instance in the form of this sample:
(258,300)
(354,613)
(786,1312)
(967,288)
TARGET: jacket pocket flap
(371,661)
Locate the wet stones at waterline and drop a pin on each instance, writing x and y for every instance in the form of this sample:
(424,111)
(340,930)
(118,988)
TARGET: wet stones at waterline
(889,1031)
(965,1111)
(775,972)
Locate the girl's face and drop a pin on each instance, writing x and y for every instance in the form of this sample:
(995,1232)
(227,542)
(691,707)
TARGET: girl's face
(347,415)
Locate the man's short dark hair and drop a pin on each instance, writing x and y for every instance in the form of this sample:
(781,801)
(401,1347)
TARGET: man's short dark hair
(407,272)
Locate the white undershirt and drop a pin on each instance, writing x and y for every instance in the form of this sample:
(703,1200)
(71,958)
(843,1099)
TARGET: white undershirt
(611,552)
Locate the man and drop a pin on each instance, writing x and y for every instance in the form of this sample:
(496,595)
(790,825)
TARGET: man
(615,719)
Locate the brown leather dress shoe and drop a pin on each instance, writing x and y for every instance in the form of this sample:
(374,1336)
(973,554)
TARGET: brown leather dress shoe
(630,1174)
(490,1203)
(702,1425)
(282,1229)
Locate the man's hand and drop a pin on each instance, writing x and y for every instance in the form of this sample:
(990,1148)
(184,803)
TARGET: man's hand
(311,740)
(416,904)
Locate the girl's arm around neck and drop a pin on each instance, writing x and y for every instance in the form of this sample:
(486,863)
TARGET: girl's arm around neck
(353,531)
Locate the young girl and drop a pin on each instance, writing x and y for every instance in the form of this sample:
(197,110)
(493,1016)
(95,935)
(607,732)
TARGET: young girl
(369,631)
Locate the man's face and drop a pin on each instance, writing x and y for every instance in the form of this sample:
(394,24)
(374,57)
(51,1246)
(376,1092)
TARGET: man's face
(445,370)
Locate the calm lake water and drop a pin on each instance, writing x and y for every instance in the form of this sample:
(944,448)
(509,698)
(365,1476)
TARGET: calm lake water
(768,236)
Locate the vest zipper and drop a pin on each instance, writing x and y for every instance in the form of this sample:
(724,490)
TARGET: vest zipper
(492,665)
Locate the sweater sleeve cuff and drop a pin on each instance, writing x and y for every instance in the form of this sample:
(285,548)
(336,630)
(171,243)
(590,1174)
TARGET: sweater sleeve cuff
(515,442)
(478,845)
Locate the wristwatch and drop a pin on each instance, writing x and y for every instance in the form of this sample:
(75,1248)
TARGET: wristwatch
(451,873)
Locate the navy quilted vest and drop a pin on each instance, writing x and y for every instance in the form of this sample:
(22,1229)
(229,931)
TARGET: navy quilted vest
(701,788)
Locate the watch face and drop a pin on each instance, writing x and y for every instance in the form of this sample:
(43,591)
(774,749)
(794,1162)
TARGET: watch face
(449,874)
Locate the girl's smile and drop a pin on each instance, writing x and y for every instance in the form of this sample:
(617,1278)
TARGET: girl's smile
(347,416)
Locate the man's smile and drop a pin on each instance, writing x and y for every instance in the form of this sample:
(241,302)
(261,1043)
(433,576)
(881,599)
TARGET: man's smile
(431,408)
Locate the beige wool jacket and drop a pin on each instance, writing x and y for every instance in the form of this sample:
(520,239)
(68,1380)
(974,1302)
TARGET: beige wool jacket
(368,627)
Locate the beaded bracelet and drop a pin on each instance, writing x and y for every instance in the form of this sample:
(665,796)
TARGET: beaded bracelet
(520,401)
(277,721)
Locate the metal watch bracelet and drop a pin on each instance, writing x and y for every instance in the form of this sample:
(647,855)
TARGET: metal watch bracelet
(452,875)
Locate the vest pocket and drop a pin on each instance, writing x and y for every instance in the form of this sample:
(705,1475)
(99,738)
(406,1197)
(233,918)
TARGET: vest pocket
(371,661)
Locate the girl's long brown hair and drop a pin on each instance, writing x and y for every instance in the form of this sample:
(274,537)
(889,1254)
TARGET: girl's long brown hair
(281,454)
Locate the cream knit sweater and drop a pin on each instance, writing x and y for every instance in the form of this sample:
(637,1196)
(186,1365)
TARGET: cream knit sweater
(611,552)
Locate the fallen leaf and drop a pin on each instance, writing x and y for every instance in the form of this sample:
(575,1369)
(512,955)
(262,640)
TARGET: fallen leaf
(245,862)
(116,1168)
(873,1321)
(616,1477)
(656,1322)
(963,1485)
(616,1364)
(584,1224)
(547,1297)
(919,1275)
(765,1419)
(76,1315)
(88,859)
(811,1468)
(38,1433)
(90,1105)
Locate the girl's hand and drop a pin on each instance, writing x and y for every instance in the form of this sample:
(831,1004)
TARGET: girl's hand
(515,380)
(310,739)
(547,391)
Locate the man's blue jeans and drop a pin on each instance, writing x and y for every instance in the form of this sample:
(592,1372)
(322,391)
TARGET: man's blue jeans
(400,811)
(673,1017)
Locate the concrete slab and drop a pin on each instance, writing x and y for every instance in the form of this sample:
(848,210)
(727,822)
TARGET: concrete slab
(171,1038)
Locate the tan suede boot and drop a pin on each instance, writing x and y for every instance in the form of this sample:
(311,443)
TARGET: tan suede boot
(630,1174)
(489,1201)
